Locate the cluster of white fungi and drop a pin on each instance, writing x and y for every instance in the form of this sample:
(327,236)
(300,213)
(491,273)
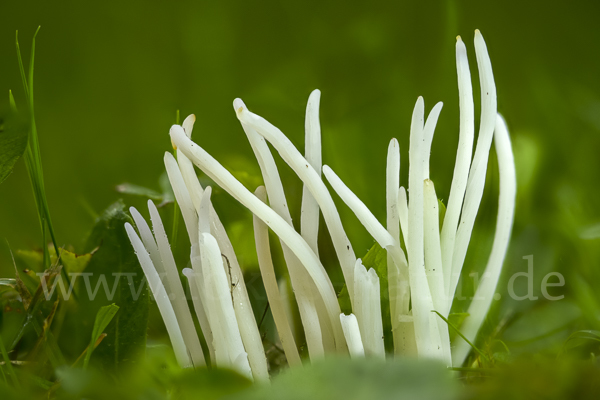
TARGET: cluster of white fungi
(422,274)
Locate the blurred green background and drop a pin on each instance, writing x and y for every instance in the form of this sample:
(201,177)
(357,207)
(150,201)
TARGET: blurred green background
(110,76)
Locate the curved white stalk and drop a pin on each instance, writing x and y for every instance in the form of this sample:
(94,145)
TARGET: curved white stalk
(476,180)
(150,245)
(428,132)
(267,271)
(176,293)
(204,212)
(379,233)
(433,265)
(162,300)
(367,309)
(300,279)
(395,276)
(506,211)
(463,158)
(364,215)
(433,254)
(183,197)
(313,182)
(296,243)
(352,334)
(200,310)
(188,124)
(422,303)
(243,309)
(220,308)
(239,294)
(309,217)
(403,214)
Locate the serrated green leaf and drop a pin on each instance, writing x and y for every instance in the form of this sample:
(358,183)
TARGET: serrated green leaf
(73,263)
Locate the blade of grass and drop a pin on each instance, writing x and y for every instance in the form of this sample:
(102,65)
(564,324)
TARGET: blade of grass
(33,159)
(100,339)
(450,324)
(103,318)
(9,367)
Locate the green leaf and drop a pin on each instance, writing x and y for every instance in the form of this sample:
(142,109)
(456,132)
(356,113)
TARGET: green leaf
(13,142)
(103,318)
(441,211)
(342,378)
(116,277)
(73,263)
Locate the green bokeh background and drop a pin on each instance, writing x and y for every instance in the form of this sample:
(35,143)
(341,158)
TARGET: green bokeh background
(110,75)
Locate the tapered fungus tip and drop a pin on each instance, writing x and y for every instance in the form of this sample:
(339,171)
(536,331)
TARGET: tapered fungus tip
(238,105)
(174,129)
(477,32)
(458,38)
(188,124)
(168,157)
(260,191)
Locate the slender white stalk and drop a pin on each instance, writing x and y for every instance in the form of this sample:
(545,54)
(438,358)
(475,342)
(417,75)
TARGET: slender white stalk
(309,219)
(367,309)
(186,167)
(352,334)
(422,303)
(365,216)
(298,245)
(379,233)
(183,197)
(200,311)
(220,307)
(428,132)
(188,125)
(463,158)
(476,180)
(176,293)
(433,254)
(204,212)
(288,301)
(249,329)
(395,276)
(375,312)
(406,327)
(312,180)
(162,300)
(150,245)
(300,279)
(403,214)
(506,211)
(433,265)
(239,294)
(267,271)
